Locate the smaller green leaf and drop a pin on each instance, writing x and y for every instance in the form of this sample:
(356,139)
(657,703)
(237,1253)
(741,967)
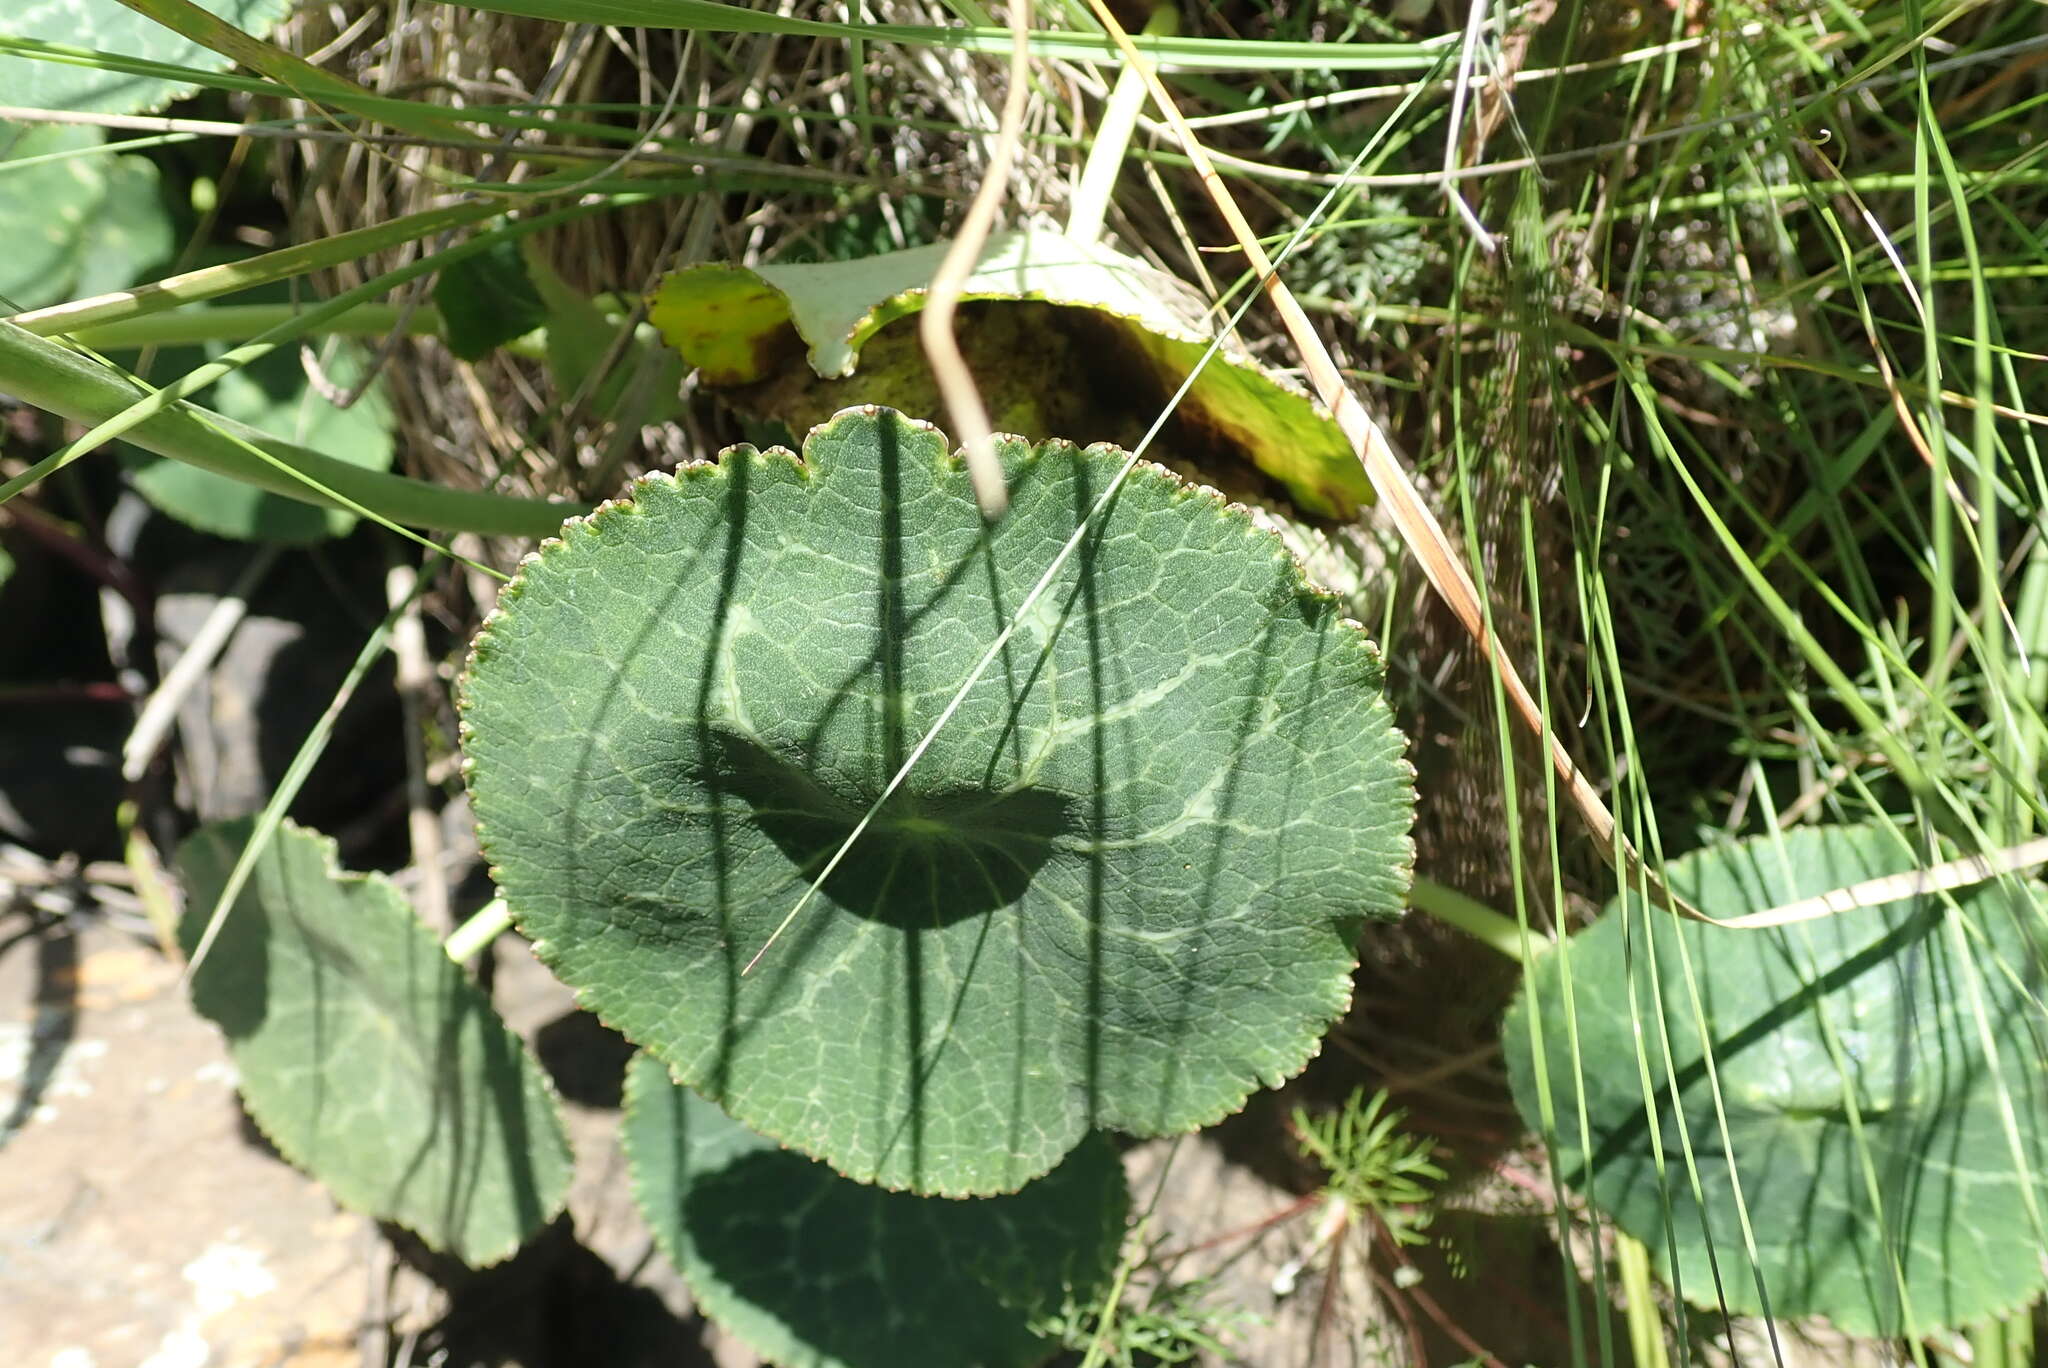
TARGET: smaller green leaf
(131,237)
(641,383)
(817,1271)
(83,222)
(1893,1169)
(112,26)
(488,300)
(275,395)
(367,1056)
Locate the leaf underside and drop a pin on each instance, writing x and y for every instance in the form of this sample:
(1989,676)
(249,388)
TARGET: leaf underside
(1065,338)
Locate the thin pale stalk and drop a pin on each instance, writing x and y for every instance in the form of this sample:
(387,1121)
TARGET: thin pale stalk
(935,324)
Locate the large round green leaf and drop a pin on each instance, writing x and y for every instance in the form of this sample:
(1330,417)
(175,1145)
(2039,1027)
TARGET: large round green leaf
(1894,1170)
(815,1271)
(111,26)
(1119,890)
(366,1055)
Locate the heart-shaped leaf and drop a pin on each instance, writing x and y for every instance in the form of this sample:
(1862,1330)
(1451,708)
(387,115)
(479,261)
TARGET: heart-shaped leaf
(488,300)
(1878,1072)
(366,1055)
(1120,889)
(815,1271)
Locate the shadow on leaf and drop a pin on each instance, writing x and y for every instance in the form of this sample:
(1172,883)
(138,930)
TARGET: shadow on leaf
(928,859)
